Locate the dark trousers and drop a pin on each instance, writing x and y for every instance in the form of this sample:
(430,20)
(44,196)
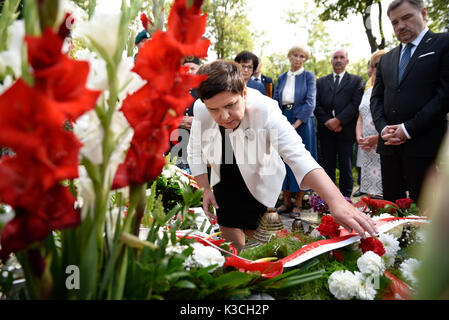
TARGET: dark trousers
(333,149)
(401,173)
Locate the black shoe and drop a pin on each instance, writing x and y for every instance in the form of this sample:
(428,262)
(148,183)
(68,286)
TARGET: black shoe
(358,193)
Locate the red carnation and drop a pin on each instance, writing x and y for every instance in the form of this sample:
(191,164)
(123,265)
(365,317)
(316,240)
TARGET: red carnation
(372,244)
(404,203)
(328,227)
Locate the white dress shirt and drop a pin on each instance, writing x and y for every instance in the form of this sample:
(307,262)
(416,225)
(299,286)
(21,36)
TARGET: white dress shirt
(288,94)
(341,76)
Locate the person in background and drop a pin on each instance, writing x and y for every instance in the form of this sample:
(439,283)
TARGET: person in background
(266,81)
(249,63)
(295,93)
(367,136)
(338,98)
(369,82)
(141,37)
(183,131)
(410,100)
(245,182)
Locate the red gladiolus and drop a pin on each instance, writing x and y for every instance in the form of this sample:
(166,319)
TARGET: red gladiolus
(52,210)
(328,227)
(158,107)
(404,203)
(372,244)
(32,120)
(58,77)
(145,158)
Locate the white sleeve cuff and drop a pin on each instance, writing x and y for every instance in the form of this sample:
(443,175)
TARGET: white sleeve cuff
(405,131)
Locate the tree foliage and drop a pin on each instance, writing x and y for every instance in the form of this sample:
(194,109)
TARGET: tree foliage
(228,27)
(341,9)
(438,11)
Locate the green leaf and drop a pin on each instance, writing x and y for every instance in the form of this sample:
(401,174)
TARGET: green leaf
(233,279)
(184,284)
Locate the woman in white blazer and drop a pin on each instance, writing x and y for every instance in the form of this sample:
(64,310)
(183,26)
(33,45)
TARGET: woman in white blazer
(242,134)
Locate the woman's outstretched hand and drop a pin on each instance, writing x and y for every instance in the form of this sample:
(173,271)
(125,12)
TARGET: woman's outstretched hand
(343,212)
(352,219)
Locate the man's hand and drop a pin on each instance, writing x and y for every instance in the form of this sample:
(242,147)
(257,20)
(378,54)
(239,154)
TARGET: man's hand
(333,125)
(394,135)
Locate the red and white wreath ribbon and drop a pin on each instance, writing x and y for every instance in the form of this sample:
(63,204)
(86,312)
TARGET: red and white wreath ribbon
(314,249)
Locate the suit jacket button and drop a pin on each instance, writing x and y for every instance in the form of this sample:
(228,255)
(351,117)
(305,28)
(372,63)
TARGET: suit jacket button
(399,90)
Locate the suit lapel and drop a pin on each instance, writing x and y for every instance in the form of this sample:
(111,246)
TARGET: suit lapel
(395,62)
(330,82)
(422,47)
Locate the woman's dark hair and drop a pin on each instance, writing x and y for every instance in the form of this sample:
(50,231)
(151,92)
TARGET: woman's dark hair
(223,76)
(418,4)
(247,56)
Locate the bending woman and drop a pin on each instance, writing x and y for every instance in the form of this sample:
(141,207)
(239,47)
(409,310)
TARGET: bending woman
(242,134)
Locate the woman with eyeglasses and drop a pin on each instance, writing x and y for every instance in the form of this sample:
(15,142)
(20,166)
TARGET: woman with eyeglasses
(367,136)
(296,95)
(249,63)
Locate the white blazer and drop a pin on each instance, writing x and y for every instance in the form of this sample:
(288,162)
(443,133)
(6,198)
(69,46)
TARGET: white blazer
(262,138)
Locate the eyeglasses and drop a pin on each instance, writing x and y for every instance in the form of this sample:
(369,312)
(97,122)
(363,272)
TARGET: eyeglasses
(247,67)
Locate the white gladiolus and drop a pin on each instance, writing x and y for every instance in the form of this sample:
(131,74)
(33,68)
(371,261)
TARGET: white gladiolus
(12,57)
(391,245)
(7,83)
(86,194)
(204,256)
(409,269)
(371,264)
(88,129)
(129,82)
(101,31)
(97,78)
(343,284)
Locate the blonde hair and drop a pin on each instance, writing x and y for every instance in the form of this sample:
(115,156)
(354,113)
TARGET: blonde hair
(372,63)
(376,56)
(298,48)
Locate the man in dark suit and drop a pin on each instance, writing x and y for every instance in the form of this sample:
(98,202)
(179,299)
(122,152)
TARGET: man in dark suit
(410,100)
(266,81)
(337,104)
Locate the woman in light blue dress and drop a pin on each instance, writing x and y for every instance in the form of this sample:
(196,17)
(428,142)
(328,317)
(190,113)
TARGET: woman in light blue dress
(296,94)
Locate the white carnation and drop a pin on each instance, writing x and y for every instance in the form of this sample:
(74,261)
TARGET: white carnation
(204,256)
(177,248)
(371,264)
(366,289)
(391,245)
(409,269)
(315,234)
(343,284)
